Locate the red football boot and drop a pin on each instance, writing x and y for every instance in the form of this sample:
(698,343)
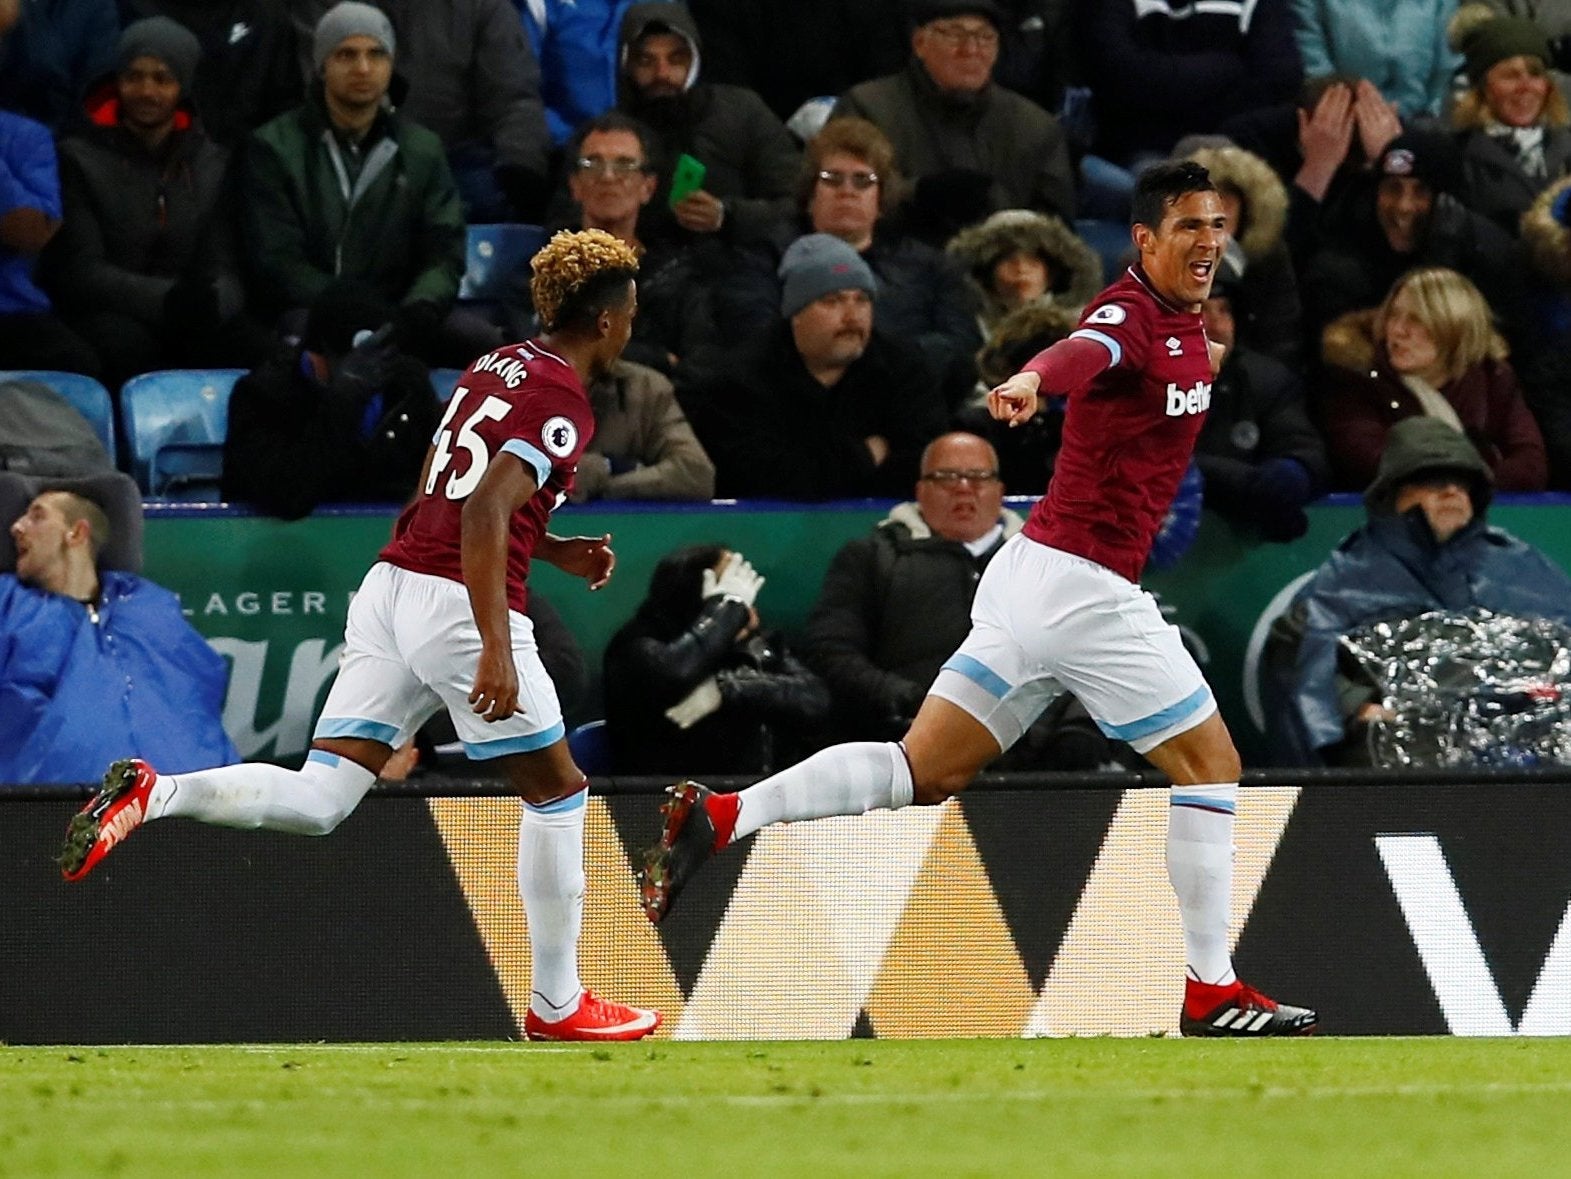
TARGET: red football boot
(116,810)
(595,1019)
(1239,1010)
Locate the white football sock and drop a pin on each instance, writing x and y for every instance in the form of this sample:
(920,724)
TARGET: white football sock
(847,779)
(1200,866)
(309,801)
(551,882)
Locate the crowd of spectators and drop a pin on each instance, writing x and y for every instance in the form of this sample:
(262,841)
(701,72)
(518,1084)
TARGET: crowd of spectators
(852,216)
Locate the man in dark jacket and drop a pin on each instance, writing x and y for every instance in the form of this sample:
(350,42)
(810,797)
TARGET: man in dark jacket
(342,187)
(1163,69)
(1261,456)
(749,157)
(248,71)
(971,146)
(1427,546)
(896,603)
(346,418)
(820,407)
(473,79)
(1404,217)
(145,262)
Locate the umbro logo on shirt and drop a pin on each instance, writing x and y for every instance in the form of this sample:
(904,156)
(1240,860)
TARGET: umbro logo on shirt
(1187,401)
(1175,346)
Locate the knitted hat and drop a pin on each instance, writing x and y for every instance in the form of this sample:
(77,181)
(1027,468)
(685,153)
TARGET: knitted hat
(350,19)
(1493,41)
(1431,156)
(167,40)
(344,309)
(819,264)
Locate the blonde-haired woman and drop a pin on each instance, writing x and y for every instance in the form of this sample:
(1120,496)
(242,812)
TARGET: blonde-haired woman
(1430,348)
(1512,119)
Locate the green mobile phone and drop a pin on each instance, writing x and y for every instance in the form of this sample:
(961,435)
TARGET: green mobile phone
(686,178)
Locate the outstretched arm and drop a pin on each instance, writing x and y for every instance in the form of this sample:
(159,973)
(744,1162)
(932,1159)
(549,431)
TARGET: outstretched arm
(1066,365)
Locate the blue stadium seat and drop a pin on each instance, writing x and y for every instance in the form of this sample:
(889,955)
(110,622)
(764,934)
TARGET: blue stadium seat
(89,397)
(443,381)
(175,422)
(590,746)
(496,263)
(1110,239)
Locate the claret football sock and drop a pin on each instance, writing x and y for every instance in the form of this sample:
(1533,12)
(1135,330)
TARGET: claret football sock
(551,883)
(846,779)
(1200,866)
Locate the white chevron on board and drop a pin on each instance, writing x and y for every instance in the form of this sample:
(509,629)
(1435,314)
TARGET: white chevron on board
(1119,969)
(802,940)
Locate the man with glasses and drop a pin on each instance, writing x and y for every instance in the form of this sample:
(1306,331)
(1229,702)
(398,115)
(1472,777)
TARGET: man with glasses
(612,179)
(848,187)
(972,146)
(1060,607)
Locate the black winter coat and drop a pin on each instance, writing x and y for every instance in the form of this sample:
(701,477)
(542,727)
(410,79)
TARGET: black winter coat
(774,432)
(769,701)
(294,444)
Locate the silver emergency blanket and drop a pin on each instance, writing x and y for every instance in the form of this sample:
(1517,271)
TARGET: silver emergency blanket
(1467,689)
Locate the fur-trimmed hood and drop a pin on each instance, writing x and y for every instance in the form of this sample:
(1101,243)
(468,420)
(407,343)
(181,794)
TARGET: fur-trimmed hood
(1548,239)
(1348,343)
(1076,267)
(909,516)
(1020,335)
(1264,213)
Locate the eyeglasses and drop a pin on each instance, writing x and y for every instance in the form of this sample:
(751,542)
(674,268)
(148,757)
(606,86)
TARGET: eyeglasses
(620,167)
(861,181)
(955,478)
(958,35)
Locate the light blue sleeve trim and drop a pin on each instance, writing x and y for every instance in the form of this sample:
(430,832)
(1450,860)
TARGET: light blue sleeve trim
(323,757)
(1101,338)
(530,457)
(355,726)
(979,674)
(502,746)
(1158,721)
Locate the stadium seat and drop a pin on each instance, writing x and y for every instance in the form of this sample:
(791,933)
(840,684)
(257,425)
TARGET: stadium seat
(496,263)
(443,381)
(1110,239)
(590,746)
(175,423)
(89,397)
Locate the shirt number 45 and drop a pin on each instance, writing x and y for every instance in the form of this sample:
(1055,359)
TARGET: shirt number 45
(492,409)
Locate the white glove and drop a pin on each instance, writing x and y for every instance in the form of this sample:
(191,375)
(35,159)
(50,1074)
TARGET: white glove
(736,579)
(696,705)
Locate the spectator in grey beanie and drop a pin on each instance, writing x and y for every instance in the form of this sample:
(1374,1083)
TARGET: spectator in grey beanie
(351,19)
(819,264)
(168,41)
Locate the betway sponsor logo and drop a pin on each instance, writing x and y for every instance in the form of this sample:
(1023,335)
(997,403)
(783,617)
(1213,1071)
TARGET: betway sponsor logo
(1186,401)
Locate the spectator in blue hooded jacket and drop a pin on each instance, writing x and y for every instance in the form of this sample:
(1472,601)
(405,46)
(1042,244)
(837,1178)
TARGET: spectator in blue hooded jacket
(95,663)
(1426,546)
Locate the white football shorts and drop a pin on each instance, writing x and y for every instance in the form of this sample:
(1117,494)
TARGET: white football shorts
(1044,619)
(410,647)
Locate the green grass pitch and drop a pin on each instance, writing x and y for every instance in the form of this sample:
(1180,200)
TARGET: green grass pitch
(952,1108)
